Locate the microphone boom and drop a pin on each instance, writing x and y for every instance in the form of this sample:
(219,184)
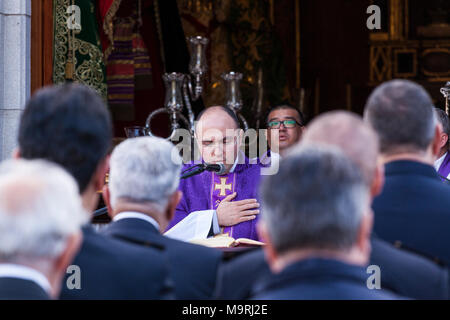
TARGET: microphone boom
(218,168)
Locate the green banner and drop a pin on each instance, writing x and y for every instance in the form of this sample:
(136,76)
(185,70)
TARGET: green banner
(77,52)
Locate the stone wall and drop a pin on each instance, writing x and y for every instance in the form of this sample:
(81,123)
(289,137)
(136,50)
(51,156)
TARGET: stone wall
(15,31)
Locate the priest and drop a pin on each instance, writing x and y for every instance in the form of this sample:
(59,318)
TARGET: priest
(225,203)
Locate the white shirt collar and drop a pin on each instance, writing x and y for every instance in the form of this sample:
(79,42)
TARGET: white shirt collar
(438,162)
(265,159)
(136,215)
(9,270)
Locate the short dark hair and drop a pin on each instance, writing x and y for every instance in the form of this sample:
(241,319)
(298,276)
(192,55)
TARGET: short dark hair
(67,124)
(401,113)
(286,106)
(230,112)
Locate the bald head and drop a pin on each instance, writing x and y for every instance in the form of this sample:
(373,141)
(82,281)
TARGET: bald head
(348,132)
(219,114)
(218,135)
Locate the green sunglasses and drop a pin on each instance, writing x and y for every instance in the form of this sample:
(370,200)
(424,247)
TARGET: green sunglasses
(286,123)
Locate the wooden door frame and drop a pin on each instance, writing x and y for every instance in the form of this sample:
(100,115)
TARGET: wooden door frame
(41,43)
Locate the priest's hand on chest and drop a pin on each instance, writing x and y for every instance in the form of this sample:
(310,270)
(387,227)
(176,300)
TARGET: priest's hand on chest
(230,213)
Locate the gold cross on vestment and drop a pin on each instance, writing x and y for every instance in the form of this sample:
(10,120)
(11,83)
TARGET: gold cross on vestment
(223,186)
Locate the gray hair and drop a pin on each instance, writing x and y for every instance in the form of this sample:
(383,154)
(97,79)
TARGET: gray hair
(40,208)
(316,201)
(401,113)
(444,120)
(144,169)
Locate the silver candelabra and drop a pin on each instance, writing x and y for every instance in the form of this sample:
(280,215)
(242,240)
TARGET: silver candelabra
(446,92)
(182,88)
(233,99)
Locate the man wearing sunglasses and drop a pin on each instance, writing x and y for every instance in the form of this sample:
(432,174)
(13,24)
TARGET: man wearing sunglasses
(289,122)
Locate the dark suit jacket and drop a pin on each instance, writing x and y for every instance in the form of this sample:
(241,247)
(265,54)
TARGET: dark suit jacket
(402,272)
(320,279)
(112,269)
(414,209)
(409,274)
(237,277)
(21,289)
(193,268)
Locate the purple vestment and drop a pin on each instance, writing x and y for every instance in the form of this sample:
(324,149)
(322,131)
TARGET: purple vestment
(206,190)
(444,169)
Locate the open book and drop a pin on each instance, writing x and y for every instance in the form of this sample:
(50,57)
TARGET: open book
(224,241)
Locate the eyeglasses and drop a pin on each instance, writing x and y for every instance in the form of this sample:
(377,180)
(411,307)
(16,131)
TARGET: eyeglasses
(286,123)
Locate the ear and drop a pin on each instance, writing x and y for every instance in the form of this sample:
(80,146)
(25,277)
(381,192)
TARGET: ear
(269,250)
(107,199)
(67,256)
(435,145)
(363,237)
(197,134)
(100,173)
(16,153)
(443,141)
(240,135)
(378,181)
(65,259)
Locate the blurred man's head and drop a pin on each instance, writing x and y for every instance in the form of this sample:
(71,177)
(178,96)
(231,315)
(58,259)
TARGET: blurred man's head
(71,126)
(218,135)
(289,122)
(356,139)
(316,206)
(144,177)
(445,123)
(401,112)
(40,218)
